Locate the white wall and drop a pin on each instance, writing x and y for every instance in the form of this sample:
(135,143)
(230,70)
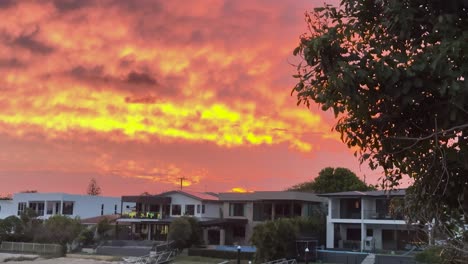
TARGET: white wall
(85,206)
(182,200)
(7,208)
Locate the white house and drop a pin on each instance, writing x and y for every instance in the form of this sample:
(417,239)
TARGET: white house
(72,205)
(362,220)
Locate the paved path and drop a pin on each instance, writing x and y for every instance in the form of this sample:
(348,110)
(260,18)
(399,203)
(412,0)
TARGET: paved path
(370,259)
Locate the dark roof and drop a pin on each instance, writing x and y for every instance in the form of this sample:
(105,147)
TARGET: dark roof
(379,193)
(270,196)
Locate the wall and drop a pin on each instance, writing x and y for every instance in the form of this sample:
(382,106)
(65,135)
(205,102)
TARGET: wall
(7,208)
(85,206)
(212,209)
(181,199)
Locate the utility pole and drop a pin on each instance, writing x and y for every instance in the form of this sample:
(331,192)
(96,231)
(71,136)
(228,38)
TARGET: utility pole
(181,182)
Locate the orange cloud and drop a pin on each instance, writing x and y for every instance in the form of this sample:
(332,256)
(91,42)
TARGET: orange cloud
(85,81)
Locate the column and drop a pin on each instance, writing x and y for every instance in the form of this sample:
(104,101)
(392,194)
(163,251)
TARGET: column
(272,211)
(160,211)
(377,232)
(363,235)
(205,236)
(363,226)
(148,237)
(330,234)
(222,237)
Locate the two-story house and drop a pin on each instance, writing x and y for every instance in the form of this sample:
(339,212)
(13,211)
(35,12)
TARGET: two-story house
(363,221)
(46,205)
(256,207)
(154,213)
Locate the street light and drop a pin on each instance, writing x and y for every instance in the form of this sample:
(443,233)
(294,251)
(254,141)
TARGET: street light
(305,255)
(238,254)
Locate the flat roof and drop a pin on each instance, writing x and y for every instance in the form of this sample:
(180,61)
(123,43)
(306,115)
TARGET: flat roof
(271,196)
(379,193)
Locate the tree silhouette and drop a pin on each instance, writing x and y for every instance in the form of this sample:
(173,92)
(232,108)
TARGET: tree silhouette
(93,188)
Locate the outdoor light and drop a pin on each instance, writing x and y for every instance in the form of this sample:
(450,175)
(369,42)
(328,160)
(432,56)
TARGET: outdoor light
(238,254)
(305,255)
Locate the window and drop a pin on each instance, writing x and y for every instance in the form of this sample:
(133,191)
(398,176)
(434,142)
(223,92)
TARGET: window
(203,209)
(176,209)
(37,207)
(236,209)
(67,208)
(50,208)
(21,207)
(115,209)
(102,209)
(262,211)
(189,209)
(198,208)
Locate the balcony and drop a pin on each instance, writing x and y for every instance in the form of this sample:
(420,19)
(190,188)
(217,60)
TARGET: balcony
(381,215)
(143,215)
(345,214)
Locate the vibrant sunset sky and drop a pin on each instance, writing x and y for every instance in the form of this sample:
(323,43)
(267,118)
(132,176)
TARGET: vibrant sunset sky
(140,93)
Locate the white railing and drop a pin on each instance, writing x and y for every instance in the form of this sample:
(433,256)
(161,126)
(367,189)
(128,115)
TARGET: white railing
(31,247)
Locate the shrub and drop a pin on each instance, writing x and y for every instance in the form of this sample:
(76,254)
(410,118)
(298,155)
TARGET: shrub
(180,231)
(431,255)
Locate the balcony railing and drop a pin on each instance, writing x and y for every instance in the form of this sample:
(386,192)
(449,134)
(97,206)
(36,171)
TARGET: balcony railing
(381,215)
(143,215)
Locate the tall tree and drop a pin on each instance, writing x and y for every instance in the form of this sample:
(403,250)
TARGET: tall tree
(394,74)
(332,180)
(93,187)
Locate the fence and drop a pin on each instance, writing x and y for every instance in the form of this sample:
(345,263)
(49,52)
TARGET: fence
(341,257)
(42,249)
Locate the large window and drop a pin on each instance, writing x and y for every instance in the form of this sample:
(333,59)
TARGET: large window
(198,208)
(203,209)
(189,209)
(21,208)
(37,207)
(67,208)
(262,211)
(176,209)
(236,209)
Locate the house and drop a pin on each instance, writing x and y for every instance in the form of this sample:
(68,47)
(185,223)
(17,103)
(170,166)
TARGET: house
(225,218)
(363,221)
(153,213)
(46,205)
(257,207)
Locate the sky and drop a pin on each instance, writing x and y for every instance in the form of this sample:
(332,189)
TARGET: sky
(138,94)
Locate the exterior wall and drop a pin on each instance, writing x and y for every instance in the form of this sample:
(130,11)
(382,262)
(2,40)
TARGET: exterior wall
(84,206)
(183,200)
(212,209)
(368,205)
(7,208)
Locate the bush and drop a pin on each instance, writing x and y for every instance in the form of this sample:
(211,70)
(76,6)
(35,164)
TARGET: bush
(430,255)
(196,234)
(180,231)
(86,237)
(277,239)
